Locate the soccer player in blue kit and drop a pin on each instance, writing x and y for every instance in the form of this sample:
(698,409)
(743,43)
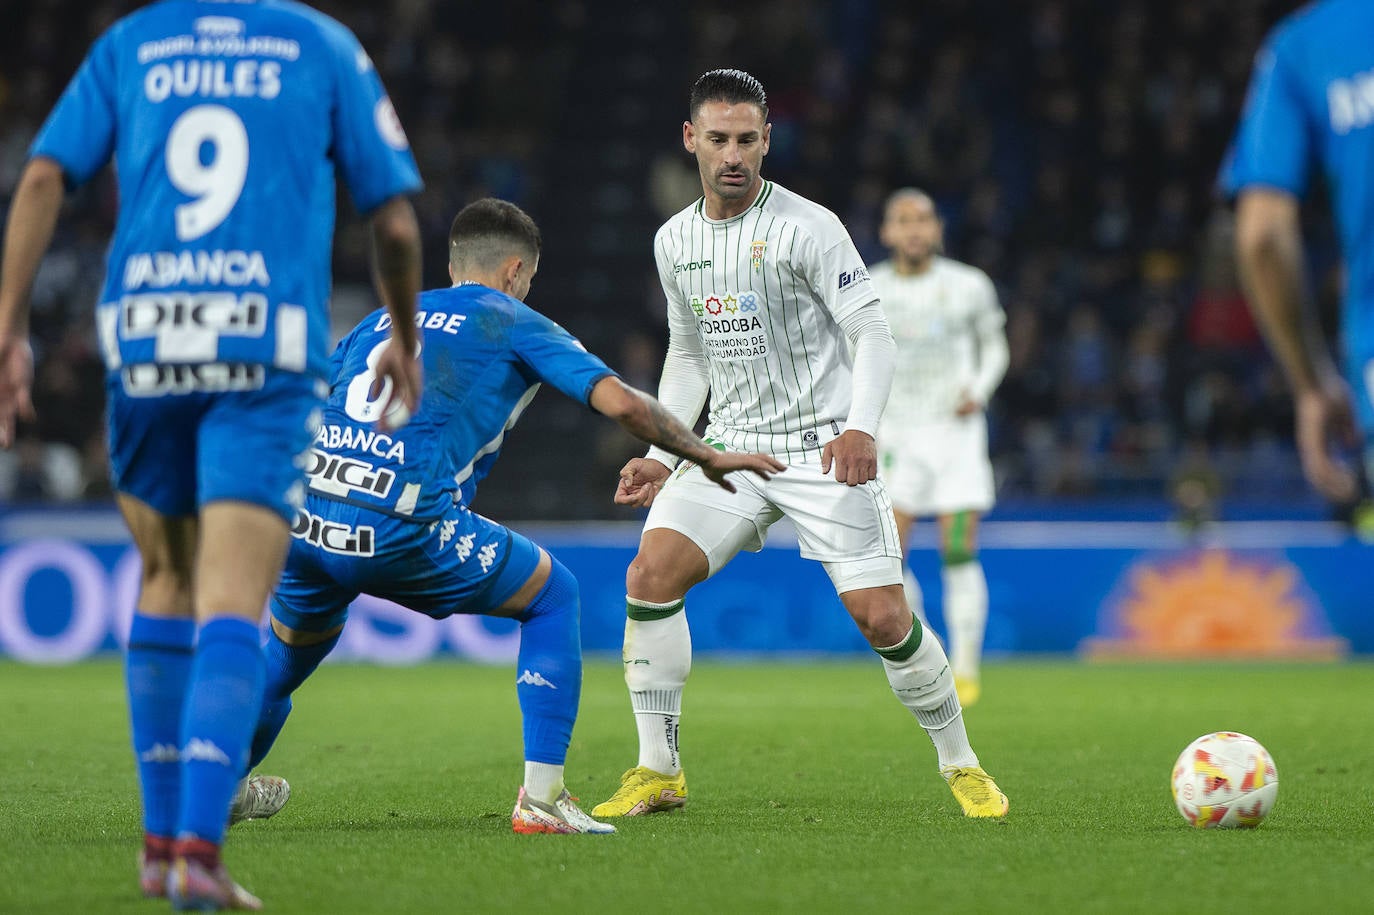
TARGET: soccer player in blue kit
(1311,100)
(388,514)
(226,122)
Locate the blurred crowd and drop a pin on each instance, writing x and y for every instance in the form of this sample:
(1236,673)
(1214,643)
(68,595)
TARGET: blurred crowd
(1072,147)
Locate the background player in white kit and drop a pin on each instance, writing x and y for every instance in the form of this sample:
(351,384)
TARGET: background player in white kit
(766,293)
(933,438)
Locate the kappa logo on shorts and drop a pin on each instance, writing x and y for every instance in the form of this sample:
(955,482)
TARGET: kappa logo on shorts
(333,537)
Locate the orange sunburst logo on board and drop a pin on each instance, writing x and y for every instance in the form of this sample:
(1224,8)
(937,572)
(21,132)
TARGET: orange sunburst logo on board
(1212,604)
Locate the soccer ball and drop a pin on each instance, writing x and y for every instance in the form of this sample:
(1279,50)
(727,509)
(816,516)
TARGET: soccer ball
(1225,779)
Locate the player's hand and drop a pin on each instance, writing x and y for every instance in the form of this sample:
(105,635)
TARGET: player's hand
(16,382)
(968,405)
(855,456)
(730,461)
(1324,417)
(407,379)
(640,481)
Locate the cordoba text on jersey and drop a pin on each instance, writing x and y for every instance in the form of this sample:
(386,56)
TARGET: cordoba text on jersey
(729,325)
(161,269)
(332,438)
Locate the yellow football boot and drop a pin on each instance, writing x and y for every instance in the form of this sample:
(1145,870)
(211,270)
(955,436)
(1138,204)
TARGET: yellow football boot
(644,791)
(975,791)
(968,688)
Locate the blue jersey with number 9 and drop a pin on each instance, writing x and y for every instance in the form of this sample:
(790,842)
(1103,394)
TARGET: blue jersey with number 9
(226,122)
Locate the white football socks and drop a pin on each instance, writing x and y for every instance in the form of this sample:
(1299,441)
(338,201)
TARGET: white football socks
(658,658)
(966,615)
(922,681)
(543,781)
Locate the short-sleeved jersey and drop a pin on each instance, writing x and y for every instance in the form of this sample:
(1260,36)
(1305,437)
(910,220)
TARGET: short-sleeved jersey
(484,356)
(1311,99)
(762,293)
(937,319)
(226,122)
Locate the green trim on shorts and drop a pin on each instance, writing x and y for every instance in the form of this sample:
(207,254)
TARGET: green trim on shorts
(643,614)
(956,551)
(907,646)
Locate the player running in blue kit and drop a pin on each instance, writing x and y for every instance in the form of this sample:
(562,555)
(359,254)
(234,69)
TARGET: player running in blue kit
(1312,100)
(226,122)
(388,514)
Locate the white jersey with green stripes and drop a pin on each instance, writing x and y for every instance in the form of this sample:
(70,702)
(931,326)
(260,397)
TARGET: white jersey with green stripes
(937,318)
(761,294)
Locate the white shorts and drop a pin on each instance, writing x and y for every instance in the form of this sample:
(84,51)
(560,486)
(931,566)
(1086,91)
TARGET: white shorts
(937,468)
(849,529)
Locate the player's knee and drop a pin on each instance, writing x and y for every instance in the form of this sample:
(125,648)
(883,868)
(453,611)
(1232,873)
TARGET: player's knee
(560,593)
(882,615)
(166,589)
(653,576)
(959,545)
(958,554)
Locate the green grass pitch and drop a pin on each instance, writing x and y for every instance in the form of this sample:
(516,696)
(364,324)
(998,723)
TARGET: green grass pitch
(811,790)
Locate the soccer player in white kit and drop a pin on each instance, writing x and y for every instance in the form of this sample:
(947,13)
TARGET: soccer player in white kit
(766,295)
(933,438)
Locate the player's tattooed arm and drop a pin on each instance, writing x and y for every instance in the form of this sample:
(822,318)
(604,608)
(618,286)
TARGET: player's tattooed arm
(396,266)
(645,418)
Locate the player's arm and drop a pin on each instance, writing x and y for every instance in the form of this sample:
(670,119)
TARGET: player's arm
(396,273)
(74,143)
(686,380)
(28,232)
(1267,171)
(840,278)
(854,453)
(1270,256)
(373,155)
(989,325)
(649,420)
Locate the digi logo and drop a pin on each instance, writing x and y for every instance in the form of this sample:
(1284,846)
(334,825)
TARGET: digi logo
(333,537)
(340,476)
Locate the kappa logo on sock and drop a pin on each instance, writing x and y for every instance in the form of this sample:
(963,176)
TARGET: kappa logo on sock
(160,753)
(205,751)
(534,678)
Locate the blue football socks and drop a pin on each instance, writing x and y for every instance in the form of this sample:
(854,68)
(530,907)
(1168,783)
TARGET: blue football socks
(287,668)
(548,678)
(222,702)
(156,670)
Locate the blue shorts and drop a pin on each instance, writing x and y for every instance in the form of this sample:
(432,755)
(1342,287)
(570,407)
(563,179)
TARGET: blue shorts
(462,563)
(178,452)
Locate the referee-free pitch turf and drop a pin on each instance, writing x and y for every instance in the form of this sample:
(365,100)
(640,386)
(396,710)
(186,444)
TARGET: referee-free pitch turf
(811,790)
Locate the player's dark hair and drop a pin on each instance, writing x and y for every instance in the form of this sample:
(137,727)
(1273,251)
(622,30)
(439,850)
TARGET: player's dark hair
(734,87)
(910,193)
(487,231)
